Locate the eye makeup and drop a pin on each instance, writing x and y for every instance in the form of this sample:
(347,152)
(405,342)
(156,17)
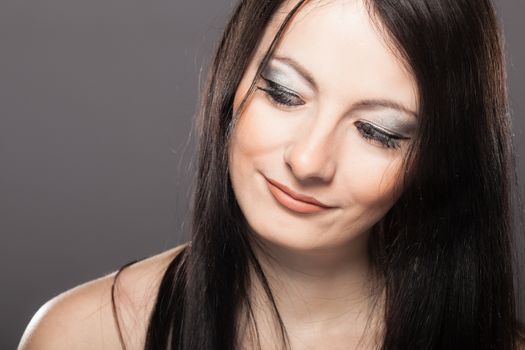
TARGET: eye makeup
(281,95)
(373,122)
(385,138)
(281,85)
(391,122)
(287,77)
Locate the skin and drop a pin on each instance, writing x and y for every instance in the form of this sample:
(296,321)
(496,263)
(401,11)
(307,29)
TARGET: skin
(317,263)
(82,317)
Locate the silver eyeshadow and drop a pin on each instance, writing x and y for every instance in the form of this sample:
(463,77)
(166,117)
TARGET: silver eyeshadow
(286,76)
(376,112)
(393,123)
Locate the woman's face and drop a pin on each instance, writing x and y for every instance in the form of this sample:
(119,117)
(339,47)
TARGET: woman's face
(331,118)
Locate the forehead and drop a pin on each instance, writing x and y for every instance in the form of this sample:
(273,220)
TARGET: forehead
(337,42)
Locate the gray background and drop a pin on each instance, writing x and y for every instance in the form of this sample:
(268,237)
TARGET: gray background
(96,100)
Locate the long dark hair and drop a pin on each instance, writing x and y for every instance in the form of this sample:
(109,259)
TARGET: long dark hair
(443,250)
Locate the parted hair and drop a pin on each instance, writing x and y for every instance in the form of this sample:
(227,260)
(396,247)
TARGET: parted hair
(443,250)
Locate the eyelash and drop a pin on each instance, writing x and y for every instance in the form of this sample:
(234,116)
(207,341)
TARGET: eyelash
(281,95)
(284,97)
(387,140)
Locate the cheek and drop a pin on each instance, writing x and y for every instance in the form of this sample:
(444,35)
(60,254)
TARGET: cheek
(251,136)
(248,136)
(250,145)
(259,134)
(370,176)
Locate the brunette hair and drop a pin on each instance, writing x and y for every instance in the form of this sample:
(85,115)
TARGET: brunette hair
(444,248)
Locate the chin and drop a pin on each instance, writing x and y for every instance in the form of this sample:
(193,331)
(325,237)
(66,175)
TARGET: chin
(282,236)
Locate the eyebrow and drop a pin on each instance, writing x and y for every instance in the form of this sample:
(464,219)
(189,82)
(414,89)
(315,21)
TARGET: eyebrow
(382,103)
(366,104)
(298,68)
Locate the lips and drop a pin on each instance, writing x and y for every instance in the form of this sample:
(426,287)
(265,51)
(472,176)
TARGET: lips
(295,201)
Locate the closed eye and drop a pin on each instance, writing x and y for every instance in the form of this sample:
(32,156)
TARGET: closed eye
(281,95)
(384,138)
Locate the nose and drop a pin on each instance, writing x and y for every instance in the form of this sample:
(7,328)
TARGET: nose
(311,155)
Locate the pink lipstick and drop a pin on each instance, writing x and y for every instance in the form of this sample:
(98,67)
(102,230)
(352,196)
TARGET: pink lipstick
(295,201)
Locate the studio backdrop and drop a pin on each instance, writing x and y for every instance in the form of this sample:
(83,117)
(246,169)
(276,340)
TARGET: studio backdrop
(97,100)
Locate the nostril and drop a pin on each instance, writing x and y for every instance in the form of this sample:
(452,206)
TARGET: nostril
(311,156)
(304,167)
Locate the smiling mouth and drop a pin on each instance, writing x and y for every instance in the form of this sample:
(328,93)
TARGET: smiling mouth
(291,203)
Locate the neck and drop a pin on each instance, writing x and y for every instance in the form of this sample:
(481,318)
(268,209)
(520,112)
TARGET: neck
(319,291)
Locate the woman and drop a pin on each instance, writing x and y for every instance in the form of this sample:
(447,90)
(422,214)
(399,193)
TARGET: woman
(353,192)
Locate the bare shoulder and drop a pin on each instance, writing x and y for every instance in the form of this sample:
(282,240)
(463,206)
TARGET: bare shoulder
(82,317)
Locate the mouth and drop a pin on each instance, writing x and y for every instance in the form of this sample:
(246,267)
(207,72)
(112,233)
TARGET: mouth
(294,201)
